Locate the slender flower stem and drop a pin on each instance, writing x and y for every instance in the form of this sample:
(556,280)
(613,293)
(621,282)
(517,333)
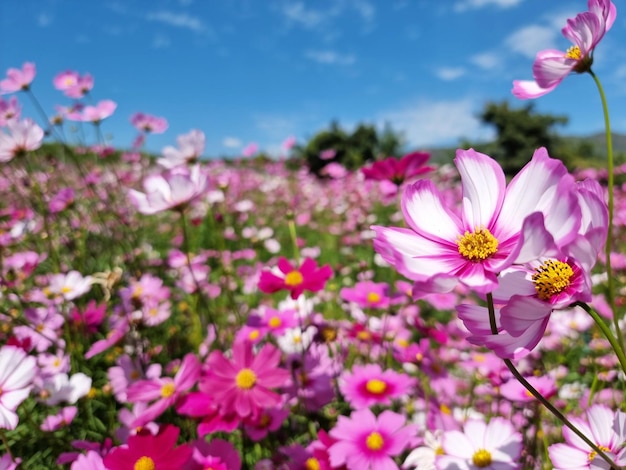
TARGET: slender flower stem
(611,204)
(294,238)
(606,331)
(555,411)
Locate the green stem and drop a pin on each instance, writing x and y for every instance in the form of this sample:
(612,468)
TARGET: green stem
(294,238)
(555,411)
(606,331)
(611,203)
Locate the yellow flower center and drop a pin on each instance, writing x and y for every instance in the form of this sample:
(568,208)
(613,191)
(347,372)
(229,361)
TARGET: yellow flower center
(374,441)
(168,390)
(254,334)
(593,454)
(478,245)
(573,53)
(375,386)
(312,464)
(363,335)
(439,451)
(294,278)
(373,298)
(329,334)
(552,278)
(275,322)
(144,463)
(481,458)
(66,290)
(245,379)
(445,409)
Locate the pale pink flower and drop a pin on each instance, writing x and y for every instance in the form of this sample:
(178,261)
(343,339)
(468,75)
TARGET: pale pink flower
(72,84)
(63,418)
(149,123)
(70,285)
(190,148)
(95,114)
(250,149)
(18,80)
(9,110)
(23,136)
(17,371)
(61,388)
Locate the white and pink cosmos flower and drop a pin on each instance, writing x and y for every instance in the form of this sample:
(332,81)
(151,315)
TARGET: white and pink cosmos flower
(551,66)
(18,79)
(443,247)
(190,148)
(17,371)
(175,189)
(23,136)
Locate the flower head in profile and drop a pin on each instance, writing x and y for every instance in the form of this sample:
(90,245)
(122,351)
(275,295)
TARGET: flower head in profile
(23,136)
(72,84)
(551,66)
(171,190)
(146,451)
(442,248)
(296,280)
(95,114)
(149,123)
(398,170)
(18,79)
(367,442)
(190,148)
(495,446)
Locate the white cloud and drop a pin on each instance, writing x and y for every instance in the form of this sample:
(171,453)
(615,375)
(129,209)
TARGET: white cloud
(486,60)
(322,20)
(179,20)
(297,13)
(530,39)
(231,142)
(429,123)
(450,73)
(475,4)
(43,19)
(330,57)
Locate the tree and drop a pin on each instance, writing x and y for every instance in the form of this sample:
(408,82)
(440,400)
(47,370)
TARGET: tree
(519,133)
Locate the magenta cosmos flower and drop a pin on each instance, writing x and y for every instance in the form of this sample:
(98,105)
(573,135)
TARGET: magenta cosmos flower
(365,442)
(369,385)
(23,136)
(398,170)
(442,247)
(552,66)
(367,294)
(170,190)
(243,385)
(605,428)
(17,371)
(495,446)
(148,452)
(296,280)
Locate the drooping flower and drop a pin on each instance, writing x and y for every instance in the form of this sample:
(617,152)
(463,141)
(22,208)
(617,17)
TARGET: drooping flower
(441,248)
(244,384)
(296,280)
(494,446)
(398,170)
(367,442)
(171,190)
(147,451)
(605,428)
(369,385)
(17,371)
(551,66)
(18,80)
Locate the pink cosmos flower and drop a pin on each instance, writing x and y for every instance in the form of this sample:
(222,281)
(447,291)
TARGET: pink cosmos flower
(91,460)
(328,154)
(72,84)
(9,110)
(63,418)
(495,446)
(190,148)
(441,248)
(367,442)
(289,142)
(398,170)
(149,123)
(551,66)
(18,80)
(513,390)
(95,114)
(17,371)
(250,149)
(70,285)
(89,318)
(367,294)
(216,455)
(23,136)
(369,385)
(605,428)
(147,451)
(296,280)
(175,190)
(44,324)
(243,385)
(164,391)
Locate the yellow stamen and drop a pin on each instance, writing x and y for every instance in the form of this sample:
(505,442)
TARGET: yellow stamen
(312,464)
(481,458)
(373,298)
(374,441)
(275,322)
(294,278)
(144,463)
(375,386)
(574,53)
(593,454)
(552,278)
(254,334)
(66,290)
(478,245)
(168,390)
(245,379)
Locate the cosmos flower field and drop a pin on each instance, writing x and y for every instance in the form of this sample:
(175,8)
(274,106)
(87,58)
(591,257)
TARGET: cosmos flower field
(180,313)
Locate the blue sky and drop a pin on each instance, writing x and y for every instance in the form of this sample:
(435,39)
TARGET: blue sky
(261,70)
